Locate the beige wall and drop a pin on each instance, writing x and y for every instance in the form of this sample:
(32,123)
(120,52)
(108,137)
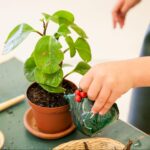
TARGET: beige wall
(93,15)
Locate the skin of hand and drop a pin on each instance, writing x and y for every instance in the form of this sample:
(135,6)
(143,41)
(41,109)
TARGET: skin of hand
(106,82)
(120,10)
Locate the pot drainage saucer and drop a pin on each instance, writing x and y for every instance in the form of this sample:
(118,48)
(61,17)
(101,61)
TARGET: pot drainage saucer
(30,125)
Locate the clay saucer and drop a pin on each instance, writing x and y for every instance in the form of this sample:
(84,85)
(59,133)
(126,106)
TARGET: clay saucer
(30,125)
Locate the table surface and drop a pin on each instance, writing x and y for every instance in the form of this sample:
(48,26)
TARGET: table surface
(12,84)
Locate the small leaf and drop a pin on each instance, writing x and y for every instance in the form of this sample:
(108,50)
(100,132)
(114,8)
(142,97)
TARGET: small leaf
(63,16)
(63,30)
(78,30)
(17,36)
(47,54)
(57,36)
(83,49)
(50,89)
(49,17)
(71,45)
(48,79)
(82,68)
(29,68)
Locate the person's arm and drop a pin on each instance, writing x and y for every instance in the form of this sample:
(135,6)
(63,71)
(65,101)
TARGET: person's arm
(121,9)
(106,82)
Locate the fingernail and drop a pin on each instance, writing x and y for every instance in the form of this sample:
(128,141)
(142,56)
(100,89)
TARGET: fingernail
(101,113)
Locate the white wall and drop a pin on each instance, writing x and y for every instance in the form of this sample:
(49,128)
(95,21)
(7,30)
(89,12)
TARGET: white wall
(94,16)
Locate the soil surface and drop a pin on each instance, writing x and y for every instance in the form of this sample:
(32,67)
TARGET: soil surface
(39,96)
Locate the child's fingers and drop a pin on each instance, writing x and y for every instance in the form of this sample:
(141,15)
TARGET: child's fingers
(113,97)
(114,20)
(121,21)
(86,81)
(101,99)
(106,107)
(94,89)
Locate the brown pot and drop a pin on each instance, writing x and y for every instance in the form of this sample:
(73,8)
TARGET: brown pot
(51,120)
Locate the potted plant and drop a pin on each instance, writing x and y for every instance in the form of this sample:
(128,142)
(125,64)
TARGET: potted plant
(44,68)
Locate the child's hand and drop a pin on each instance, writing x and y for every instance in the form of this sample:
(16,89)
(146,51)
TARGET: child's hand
(106,82)
(120,10)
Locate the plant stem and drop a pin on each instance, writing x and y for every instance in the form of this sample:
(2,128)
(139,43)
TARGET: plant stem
(68,74)
(45,25)
(65,50)
(39,33)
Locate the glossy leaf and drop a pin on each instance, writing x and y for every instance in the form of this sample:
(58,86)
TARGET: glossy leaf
(83,49)
(49,17)
(82,68)
(71,45)
(58,89)
(49,79)
(63,16)
(29,68)
(63,30)
(78,30)
(17,36)
(47,54)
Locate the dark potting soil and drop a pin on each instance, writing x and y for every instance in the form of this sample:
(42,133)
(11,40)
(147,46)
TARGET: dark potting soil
(39,96)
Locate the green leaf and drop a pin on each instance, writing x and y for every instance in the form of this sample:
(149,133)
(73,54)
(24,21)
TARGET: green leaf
(63,17)
(50,89)
(81,68)
(63,30)
(17,36)
(47,54)
(49,17)
(48,79)
(83,49)
(71,45)
(78,30)
(29,68)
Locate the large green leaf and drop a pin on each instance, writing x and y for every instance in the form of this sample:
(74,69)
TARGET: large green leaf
(48,79)
(58,89)
(83,49)
(63,30)
(78,30)
(29,68)
(47,54)
(16,36)
(82,68)
(63,16)
(71,45)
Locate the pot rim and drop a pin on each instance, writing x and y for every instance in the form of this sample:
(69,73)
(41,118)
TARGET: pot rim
(46,108)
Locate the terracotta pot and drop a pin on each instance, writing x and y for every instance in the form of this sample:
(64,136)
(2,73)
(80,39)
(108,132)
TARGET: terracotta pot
(51,120)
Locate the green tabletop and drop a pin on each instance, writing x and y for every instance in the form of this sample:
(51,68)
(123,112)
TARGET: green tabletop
(13,83)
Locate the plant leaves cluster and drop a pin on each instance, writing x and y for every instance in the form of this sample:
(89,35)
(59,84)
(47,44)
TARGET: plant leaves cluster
(45,65)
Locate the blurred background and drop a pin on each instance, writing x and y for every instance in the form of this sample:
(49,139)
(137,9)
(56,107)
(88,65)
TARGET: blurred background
(94,17)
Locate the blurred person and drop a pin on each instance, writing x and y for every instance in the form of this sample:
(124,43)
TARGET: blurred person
(106,82)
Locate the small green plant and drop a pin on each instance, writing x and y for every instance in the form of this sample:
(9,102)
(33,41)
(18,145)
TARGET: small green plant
(45,65)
